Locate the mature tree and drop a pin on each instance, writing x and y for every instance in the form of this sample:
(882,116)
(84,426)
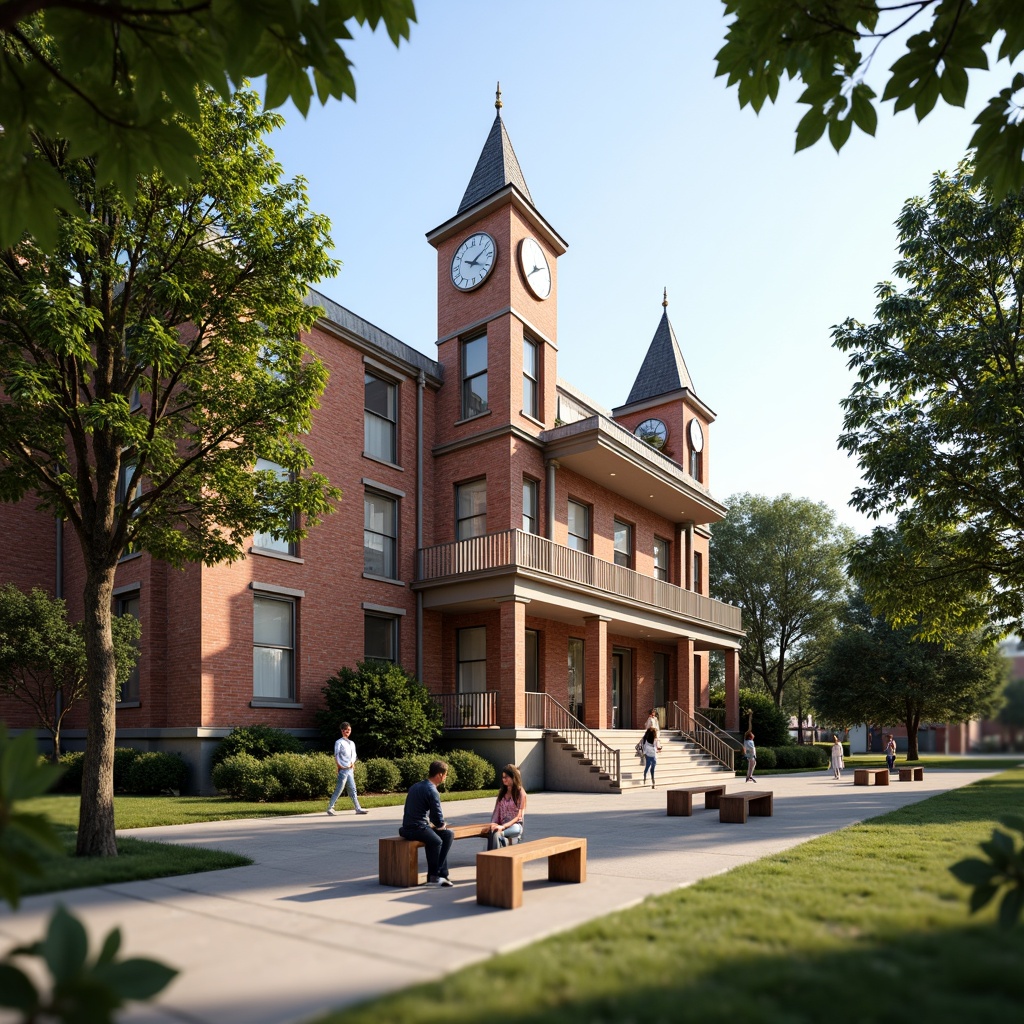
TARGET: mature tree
(830,46)
(148,360)
(42,655)
(114,80)
(1012,712)
(935,418)
(875,673)
(782,559)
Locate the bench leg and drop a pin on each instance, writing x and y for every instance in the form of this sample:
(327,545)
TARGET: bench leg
(762,806)
(398,863)
(882,779)
(733,811)
(713,800)
(570,866)
(680,805)
(499,882)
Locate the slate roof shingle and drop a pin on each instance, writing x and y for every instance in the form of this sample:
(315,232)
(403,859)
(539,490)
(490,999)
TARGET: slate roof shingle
(496,168)
(664,369)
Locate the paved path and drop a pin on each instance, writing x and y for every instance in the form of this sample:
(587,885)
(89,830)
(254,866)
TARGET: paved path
(307,927)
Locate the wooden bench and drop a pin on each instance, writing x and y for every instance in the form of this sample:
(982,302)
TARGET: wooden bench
(734,807)
(680,801)
(499,873)
(865,776)
(398,858)
(912,773)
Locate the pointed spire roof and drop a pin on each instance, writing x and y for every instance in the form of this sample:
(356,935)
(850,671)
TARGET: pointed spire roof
(664,369)
(497,166)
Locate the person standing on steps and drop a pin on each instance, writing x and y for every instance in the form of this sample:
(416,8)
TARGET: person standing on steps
(423,822)
(750,751)
(836,757)
(345,759)
(650,747)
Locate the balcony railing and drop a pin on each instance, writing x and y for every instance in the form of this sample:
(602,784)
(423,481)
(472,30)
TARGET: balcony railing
(544,712)
(468,710)
(516,550)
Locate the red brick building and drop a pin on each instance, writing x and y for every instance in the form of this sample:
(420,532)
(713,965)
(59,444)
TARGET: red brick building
(501,535)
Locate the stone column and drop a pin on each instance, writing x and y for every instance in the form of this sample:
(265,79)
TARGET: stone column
(732,690)
(595,678)
(512,684)
(684,674)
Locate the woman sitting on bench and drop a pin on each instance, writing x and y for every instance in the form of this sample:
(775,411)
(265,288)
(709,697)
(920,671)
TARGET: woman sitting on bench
(509,809)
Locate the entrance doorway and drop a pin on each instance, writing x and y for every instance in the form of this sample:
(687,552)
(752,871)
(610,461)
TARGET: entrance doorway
(622,688)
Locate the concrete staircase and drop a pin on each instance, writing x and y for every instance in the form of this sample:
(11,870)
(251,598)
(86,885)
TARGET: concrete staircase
(680,763)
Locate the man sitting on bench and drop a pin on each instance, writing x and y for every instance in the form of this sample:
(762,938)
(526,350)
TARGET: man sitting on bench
(423,822)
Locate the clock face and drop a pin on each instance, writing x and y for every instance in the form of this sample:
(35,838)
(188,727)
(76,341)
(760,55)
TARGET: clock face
(534,266)
(473,261)
(654,432)
(696,436)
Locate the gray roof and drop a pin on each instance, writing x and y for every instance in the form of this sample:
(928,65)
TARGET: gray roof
(664,369)
(496,168)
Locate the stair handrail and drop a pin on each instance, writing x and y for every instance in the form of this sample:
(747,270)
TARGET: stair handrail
(558,719)
(703,737)
(718,731)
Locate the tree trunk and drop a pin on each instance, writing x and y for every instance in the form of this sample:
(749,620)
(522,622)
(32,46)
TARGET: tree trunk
(913,721)
(96,814)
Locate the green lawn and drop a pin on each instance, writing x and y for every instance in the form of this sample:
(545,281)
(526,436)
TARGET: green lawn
(926,760)
(864,925)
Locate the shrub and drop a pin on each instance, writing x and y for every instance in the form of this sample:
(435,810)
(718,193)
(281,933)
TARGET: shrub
(472,771)
(259,740)
(156,772)
(390,711)
(770,725)
(71,780)
(124,758)
(234,773)
(800,757)
(320,773)
(826,748)
(413,768)
(765,759)
(382,776)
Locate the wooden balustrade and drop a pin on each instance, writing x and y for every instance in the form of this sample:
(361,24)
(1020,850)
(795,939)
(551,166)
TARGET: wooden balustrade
(468,710)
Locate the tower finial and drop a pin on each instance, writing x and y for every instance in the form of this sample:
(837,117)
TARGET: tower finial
(497,97)
(664,300)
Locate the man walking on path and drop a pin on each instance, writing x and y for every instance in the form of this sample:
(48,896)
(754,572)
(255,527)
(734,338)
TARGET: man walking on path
(345,759)
(423,822)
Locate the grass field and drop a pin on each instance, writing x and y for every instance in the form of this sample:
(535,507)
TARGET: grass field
(864,925)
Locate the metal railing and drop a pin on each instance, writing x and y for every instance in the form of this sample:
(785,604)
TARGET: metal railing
(544,712)
(516,550)
(714,715)
(714,741)
(468,710)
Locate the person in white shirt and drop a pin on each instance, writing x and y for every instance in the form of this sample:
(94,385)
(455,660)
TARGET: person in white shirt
(345,759)
(652,721)
(650,747)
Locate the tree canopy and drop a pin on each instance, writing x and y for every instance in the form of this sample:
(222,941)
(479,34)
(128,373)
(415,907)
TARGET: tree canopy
(875,673)
(42,655)
(115,80)
(148,360)
(783,560)
(830,45)
(935,417)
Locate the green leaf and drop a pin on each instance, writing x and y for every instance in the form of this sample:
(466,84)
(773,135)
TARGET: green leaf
(981,896)
(973,871)
(1011,906)
(65,946)
(17,990)
(862,110)
(839,132)
(111,944)
(954,85)
(810,128)
(137,978)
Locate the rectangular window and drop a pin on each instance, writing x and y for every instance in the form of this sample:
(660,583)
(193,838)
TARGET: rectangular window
(472,654)
(380,535)
(471,510)
(660,677)
(529,505)
(129,489)
(576,681)
(380,419)
(273,648)
(532,661)
(698,572)
(530,371)
(623,544)
(579,526)
(661,559)
(267,541)
(474,376)
(380,638)
(129,605)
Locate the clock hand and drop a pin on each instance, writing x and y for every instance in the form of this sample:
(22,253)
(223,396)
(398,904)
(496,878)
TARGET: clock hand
(534,271)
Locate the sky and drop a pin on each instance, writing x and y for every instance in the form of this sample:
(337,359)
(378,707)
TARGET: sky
(643,161)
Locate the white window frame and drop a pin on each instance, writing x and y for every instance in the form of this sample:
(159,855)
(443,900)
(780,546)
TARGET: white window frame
(388,542)
(385,423)
(475,524)
(287,656)
(578,541)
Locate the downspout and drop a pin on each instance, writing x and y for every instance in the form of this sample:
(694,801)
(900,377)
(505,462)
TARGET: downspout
(549,525)
(422,383)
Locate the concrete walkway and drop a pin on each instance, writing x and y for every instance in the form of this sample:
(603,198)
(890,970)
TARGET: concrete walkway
(308,928)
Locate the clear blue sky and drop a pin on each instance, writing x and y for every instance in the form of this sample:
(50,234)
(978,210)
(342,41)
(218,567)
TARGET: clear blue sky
(642,160)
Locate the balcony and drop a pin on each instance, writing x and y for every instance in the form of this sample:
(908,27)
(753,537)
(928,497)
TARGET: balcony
(527,554)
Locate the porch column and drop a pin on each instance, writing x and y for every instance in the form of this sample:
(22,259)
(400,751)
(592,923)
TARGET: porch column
(595,677)
(684,674)
(512,684)
(732,690)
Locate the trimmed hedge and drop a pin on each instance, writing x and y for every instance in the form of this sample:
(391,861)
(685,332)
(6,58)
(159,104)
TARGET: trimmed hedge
(827,748)
(382,776)
(471,770)
(72,763)
(259,740)
(156,772)
(800,757)
(765,759)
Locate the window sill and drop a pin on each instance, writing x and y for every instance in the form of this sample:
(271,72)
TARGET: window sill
(383,579)
(533,419)
(383,462)
(265,702)
(129,556)
(270,553)
(475,416)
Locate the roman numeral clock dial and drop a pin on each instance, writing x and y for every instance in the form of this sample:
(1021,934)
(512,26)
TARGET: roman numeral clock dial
(473,261)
